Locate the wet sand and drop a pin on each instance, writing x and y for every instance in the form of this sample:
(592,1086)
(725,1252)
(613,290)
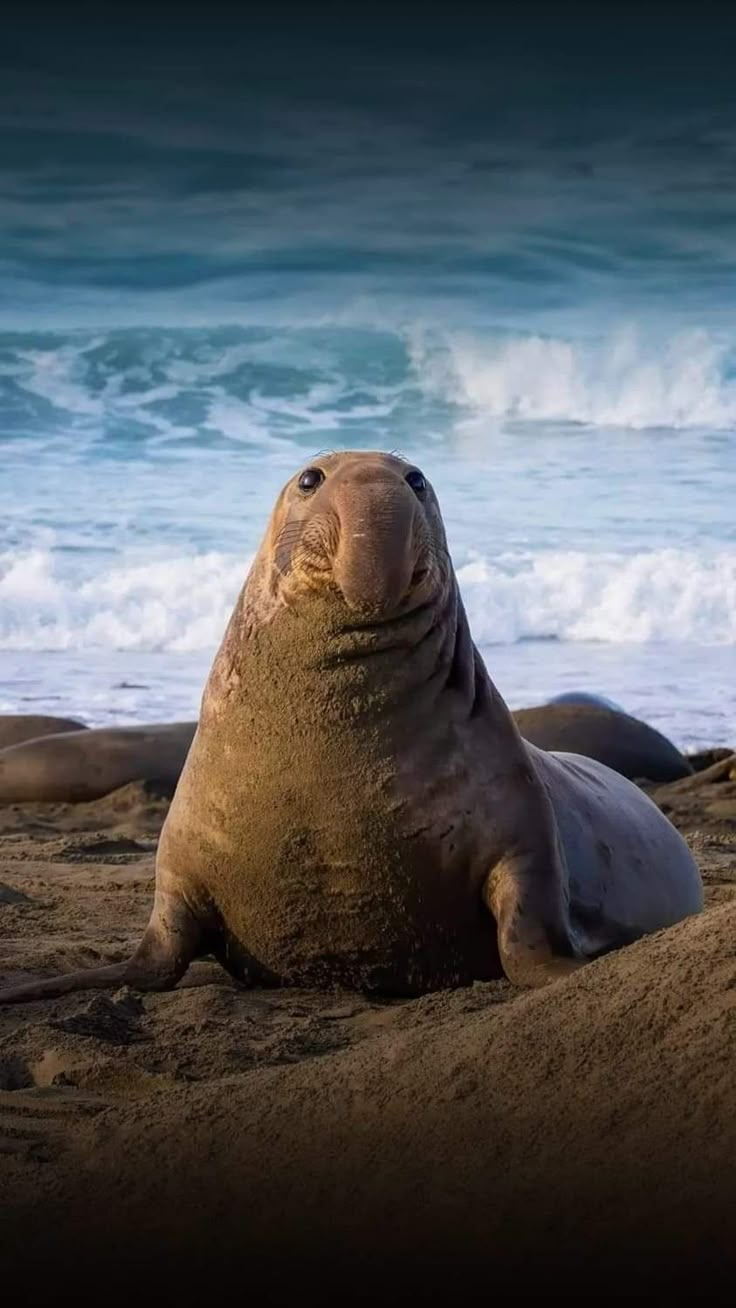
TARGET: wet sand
(580,1138)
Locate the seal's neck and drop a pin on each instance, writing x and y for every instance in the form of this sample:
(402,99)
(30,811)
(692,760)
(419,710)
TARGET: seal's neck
(320,657)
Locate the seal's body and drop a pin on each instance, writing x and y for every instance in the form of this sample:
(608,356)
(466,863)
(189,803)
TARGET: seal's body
(17,727)
(75,766)
(609,735)
(360,868)
(358,806)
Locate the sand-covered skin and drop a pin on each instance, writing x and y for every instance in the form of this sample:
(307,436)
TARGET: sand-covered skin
(595,1118)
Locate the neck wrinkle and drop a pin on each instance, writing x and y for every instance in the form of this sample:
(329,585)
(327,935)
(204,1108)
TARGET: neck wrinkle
(309,656)
(462,677)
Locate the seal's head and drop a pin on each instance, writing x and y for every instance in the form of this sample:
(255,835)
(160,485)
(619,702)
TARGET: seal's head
(364,525)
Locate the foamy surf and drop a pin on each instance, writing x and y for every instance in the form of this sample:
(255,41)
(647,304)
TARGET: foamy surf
(626,380)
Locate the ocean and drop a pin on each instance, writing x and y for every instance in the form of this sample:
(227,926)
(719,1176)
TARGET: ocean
(592,531)
(200,289)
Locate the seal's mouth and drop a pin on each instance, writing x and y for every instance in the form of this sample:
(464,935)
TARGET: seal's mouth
(380,610)
(387,621)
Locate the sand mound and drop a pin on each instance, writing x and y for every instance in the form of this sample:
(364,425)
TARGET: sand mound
(280,1140)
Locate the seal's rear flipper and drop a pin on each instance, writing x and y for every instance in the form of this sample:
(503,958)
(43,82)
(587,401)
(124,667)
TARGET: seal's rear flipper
(92,978)
(170,942)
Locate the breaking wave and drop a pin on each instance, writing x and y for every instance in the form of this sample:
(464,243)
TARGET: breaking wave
(272,386)
(625,381)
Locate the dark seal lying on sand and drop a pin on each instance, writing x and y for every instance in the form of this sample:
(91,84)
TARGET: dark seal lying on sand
(17,727)
(609,735)
(77,766)
(358,806)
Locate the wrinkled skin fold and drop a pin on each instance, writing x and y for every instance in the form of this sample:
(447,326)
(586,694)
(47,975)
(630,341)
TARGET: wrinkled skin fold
(358,807)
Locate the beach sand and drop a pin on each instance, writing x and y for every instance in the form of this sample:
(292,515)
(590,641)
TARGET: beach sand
(580,1139)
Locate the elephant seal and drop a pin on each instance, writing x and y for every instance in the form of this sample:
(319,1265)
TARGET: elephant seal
(623,743)
(358,807)
(17,727)
(84,765)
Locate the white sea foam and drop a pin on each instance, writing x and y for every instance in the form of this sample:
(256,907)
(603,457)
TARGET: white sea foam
(54,375)
(183,603)
(663,595)
(624,381)
(171,604)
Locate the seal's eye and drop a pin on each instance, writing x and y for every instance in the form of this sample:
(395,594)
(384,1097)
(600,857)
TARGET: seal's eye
(416,480)
(310,479)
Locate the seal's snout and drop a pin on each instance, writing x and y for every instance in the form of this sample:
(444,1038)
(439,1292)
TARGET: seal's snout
(379,542)
(363,524)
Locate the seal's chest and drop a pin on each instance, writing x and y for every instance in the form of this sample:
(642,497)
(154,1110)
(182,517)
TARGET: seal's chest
(361,902)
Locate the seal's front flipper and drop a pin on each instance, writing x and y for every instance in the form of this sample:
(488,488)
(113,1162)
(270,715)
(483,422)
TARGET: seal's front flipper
(541,935)
(536,942)
(170,942)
